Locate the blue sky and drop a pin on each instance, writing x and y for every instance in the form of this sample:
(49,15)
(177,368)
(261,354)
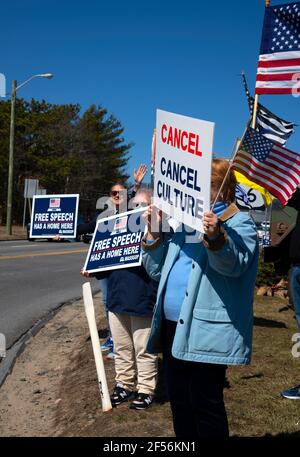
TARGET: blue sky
(134,57)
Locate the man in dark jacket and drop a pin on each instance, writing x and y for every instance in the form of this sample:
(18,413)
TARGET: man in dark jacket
(294,255)
(117,203)
(130,300)
(131,296)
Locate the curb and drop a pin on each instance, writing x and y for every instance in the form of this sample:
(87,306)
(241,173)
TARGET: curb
(7,364)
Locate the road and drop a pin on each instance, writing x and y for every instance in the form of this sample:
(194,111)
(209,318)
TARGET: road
(35,278)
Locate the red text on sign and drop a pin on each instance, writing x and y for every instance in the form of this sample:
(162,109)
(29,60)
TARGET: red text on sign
(181,139)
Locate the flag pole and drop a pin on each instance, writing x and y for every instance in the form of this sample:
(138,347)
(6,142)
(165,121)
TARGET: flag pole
(255,111)
(233,153)
(267,5)
(153,157)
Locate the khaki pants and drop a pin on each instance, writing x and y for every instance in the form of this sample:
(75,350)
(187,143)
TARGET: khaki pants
(130,335)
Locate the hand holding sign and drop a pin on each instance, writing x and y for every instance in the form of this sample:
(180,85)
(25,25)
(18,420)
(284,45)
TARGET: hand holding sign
(211,225)
(84,273)
(153,219)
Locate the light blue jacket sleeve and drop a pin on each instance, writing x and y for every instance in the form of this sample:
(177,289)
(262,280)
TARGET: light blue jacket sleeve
(153,260)
(239,250)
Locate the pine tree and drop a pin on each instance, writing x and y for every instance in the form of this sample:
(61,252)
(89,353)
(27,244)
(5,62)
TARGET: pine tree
(67,152)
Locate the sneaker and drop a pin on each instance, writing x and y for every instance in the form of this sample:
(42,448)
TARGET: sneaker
(142,401)
(292,394)
(120,395)
(108,344)
(110,355)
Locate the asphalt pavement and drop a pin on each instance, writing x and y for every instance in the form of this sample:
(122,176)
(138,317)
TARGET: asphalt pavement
(36,278)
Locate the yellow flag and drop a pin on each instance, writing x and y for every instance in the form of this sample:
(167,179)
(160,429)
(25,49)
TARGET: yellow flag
(265,194)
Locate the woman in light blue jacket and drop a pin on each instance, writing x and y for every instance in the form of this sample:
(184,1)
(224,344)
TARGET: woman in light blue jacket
(203,317)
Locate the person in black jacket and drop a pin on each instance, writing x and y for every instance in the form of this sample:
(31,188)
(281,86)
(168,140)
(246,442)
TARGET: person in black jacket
(117,203)
(131,296)
(294,255)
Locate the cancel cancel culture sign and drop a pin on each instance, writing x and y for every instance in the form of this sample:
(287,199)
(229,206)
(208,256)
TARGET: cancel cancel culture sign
(183,167)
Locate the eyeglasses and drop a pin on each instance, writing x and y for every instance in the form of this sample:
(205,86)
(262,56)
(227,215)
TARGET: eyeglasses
(114,193)
(140,204)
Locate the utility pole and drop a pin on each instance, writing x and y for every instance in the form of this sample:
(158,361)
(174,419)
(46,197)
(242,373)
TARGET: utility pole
(11,147)
(11,159)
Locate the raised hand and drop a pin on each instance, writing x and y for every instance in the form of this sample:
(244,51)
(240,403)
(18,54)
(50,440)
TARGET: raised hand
(140,174)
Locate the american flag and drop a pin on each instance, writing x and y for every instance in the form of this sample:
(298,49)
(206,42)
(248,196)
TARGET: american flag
(274,168)
(120,223)
(279,61)
(268,124)
(54,202)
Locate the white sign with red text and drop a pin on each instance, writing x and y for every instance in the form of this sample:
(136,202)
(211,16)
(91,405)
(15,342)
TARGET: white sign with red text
(183,167)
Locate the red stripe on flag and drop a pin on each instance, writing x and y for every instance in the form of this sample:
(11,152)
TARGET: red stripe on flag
(280,77)
(278,91)
(278,63)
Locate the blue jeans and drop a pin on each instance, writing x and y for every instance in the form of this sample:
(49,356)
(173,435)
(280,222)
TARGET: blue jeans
(295,291)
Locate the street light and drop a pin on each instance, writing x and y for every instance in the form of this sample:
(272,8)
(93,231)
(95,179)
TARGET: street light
(11,146)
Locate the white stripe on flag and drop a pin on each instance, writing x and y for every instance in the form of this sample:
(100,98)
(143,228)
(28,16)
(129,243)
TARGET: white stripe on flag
(279,84)
(281,127)
(274,138)
(279,122)
(280,56)
(278,70)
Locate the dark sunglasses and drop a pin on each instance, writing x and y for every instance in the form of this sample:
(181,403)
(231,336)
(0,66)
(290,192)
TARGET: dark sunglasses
(114,193)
